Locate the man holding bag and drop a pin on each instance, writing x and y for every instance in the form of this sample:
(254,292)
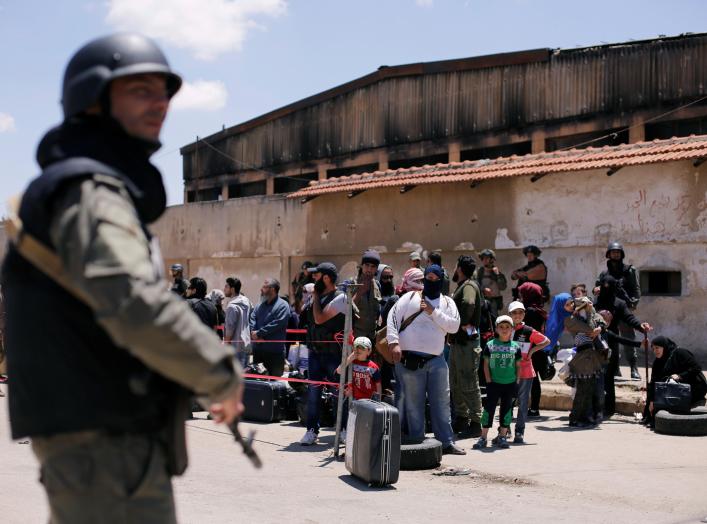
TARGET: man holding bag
(417,349)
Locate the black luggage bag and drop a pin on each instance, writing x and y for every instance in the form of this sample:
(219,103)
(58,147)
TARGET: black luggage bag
(373,442)
(673,397)
(264,401)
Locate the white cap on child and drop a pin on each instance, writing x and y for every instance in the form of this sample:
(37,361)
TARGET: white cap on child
(363,342)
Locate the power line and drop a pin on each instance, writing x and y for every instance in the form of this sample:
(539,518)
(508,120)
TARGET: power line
(613,134)
(644,122)
(249,166)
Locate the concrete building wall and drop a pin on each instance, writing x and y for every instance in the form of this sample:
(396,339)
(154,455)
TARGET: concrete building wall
(658,211)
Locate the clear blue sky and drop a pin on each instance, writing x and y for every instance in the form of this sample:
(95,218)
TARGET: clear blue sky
(245,58)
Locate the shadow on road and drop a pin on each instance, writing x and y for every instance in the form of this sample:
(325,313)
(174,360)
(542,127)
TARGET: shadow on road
(322,444)
(566,429)
(361,485)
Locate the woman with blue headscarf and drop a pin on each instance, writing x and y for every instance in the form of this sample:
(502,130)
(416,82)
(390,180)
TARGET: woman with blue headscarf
(555,324)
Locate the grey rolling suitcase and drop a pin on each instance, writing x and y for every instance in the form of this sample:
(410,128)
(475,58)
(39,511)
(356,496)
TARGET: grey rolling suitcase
(373,442)
(264,401)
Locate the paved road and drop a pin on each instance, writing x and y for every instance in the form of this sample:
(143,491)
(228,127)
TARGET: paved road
(619,472)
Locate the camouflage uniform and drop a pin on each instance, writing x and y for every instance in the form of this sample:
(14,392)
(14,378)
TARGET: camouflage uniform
(465,354)
(89,475)
(124,345)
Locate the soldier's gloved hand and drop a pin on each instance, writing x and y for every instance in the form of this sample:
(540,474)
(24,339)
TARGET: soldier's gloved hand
(229,408)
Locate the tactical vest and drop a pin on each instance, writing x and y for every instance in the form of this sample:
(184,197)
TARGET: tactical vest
(461,336)
(320,337)
(66,372)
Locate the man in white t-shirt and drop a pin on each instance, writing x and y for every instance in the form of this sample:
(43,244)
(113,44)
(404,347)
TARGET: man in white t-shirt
(325,329)
(420,368)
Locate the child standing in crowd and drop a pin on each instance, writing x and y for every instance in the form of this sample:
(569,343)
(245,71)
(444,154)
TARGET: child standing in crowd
(366,376)
(531,341)
(501,358)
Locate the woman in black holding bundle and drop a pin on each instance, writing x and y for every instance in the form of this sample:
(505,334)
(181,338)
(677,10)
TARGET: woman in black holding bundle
(678,364)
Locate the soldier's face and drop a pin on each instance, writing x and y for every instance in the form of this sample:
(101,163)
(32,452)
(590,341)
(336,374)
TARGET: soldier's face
(139,103)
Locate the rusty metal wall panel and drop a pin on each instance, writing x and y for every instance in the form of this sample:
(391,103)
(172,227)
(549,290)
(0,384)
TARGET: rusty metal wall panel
(460,102)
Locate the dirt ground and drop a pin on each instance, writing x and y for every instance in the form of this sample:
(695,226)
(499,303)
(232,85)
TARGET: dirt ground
(619,471)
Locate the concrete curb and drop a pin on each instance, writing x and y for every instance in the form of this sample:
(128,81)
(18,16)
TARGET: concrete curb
(558,397)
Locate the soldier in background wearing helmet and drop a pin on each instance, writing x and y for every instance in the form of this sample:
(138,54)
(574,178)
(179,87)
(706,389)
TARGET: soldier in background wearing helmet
(123,343)
(628,289)
(179,283)
(491,281)
(534,271)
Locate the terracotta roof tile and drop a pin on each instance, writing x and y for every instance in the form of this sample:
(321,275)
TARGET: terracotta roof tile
(607,157)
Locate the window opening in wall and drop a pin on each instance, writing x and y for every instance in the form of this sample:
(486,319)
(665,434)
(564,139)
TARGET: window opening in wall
(520,148)
(607,137)
(664,130)
(661,283)
(247,189)
(294,183)
(207,195)
(355,170)
(430,160)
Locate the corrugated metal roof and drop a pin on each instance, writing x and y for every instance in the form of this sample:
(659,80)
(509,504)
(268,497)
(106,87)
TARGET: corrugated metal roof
(616,157)
(431,104)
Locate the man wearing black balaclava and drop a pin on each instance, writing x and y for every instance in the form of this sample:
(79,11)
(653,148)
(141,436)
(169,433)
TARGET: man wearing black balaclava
(120,340)
(416,329)
(607,300)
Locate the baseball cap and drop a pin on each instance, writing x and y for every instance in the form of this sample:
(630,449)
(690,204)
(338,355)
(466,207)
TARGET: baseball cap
(515,305)
(362,342)
(326,268)
(415,256)
(371,256)
(504,318)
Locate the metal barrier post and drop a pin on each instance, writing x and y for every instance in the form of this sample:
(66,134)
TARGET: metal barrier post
(348,324)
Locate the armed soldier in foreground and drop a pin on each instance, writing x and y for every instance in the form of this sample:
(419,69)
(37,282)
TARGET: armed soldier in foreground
(108,437)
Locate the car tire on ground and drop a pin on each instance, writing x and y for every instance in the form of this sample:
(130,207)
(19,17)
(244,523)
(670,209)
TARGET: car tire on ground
(694,424)
(423,455)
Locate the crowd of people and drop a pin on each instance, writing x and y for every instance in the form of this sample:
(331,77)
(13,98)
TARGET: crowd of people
(440,345)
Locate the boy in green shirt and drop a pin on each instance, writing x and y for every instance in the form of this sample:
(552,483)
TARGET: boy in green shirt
(502,358)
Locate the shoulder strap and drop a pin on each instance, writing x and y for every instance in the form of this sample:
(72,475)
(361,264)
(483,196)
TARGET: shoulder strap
(406,322)
(36,253)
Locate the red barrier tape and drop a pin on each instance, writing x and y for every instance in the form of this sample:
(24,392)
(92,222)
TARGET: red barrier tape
(287,379)
(283,342)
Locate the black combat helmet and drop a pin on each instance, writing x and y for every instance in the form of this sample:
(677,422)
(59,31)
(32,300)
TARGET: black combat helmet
(535,250)
(490,253)
(102,60)
(615,246)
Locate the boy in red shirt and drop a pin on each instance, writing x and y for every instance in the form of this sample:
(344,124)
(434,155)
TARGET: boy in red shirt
(530,341)
(366,375)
